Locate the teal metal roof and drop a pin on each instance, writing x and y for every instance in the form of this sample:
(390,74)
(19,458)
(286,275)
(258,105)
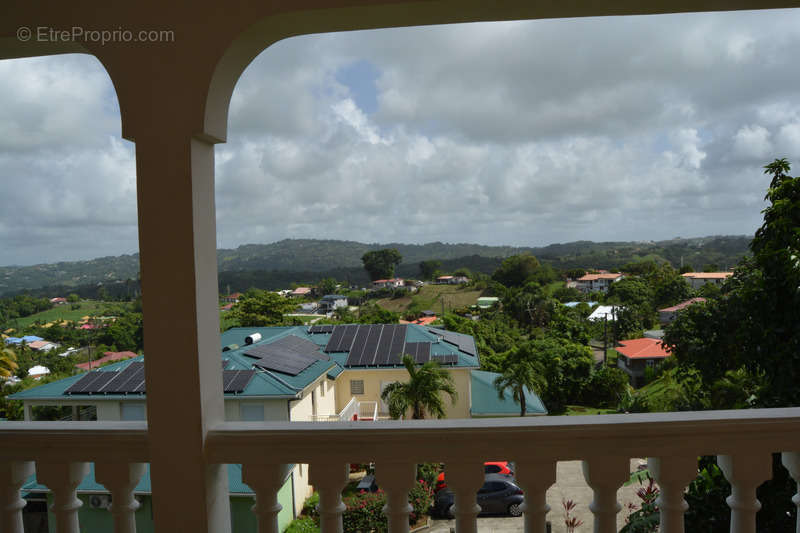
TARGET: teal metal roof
(486,402)
(89,485)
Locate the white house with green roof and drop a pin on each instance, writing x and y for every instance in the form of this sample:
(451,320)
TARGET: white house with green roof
(295,374)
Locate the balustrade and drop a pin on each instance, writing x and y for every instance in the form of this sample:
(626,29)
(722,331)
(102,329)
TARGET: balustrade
(743,442)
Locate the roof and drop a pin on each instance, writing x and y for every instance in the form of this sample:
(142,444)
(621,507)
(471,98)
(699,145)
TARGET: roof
(334,297)
(423,321)
(707,275)
(40,344)
(38,370)
(643,348)
(604,311)
(683,305)
(575,304)
(445,277)
(487,402)
(301,290)
(595,277)
(89,485)
(26,339)
(107,357)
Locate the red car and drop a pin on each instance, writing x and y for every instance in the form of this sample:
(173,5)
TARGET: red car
(489,467)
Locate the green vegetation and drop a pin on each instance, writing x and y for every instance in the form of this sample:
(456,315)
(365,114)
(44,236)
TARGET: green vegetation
(380,264)
(433,297)
(580,410)
(60,313)
(422,393)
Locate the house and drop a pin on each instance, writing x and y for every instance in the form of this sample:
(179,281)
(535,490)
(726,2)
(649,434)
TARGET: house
(698,279)
(636,355)
(232,298)
(452,280)
(227,307)
(668,314)
(332,302)
(58,301)
(108,357)
(597,282)
(27,339)
(393,283)
(38,371)
(294,373)
(43,346)
(300,292)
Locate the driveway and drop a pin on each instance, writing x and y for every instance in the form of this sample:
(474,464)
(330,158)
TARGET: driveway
(569,485)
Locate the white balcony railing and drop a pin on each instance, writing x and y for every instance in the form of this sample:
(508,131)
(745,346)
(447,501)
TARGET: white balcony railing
(743,441)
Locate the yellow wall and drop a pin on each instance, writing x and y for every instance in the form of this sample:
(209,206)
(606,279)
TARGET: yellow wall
(372,388)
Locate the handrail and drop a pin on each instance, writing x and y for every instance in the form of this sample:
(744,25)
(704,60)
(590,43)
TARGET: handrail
(349,410)
(74,441)
(559,437)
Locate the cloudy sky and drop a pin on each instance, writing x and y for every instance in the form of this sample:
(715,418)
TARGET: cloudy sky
(523,133)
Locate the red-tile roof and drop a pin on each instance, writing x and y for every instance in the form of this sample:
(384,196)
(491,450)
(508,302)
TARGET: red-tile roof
(301,290)
(683,305)
(643,349)
(107,357)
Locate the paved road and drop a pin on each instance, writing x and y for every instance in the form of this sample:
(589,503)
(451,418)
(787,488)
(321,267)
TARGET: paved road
(569,485)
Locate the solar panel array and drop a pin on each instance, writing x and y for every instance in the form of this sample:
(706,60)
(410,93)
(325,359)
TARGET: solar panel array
(446,359)
(464,343)
(325,328)
(288,355)
(420,351)
(130,380)
(236,380)
(127,381)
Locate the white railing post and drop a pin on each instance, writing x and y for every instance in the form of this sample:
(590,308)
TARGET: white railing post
(745,473)
(329,479)
(465,479)
(266,480)
(535,477)
(673,475)
(791,460)
(396,479)
(12,476)
(605,475)
(120,479)
(63,480)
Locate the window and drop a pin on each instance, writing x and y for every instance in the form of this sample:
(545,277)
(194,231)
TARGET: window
(132,411)
(251,412)
(356,386)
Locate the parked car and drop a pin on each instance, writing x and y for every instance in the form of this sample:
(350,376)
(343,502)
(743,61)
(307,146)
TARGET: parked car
(498,495)
(489,467)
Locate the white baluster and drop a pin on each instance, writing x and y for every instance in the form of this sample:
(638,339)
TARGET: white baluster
(12,477)
(396,479)
(791,460)
(745,473)
(606,475)
(63,480)
(535,477)
(329,479)
(266,480)
(120,479)
(465,479)
(673,475)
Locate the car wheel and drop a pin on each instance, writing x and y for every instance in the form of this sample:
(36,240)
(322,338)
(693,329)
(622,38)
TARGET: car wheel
(450,513)
(514,509)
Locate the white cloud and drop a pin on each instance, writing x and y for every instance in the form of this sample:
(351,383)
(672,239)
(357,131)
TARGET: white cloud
(752,142)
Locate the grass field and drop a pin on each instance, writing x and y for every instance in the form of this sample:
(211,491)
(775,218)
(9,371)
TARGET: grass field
(432,297)
(61,312)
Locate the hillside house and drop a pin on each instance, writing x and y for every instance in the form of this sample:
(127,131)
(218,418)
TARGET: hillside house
(43,346)
(597,282)
(698,279)
(636,355)
(668,314)
(452,280)
(393,283)
(332,302)
(58,301)
(231,298)
(300,292)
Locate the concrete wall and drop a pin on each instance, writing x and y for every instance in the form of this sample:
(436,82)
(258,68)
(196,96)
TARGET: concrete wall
(273,409)
(372,388)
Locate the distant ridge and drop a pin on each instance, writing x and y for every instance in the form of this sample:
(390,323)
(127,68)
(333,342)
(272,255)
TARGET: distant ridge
(312,258)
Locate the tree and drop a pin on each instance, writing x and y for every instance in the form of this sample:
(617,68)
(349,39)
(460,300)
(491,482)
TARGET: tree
(8,362)
(422,392)
(380,264)
(261,308)
(517,270)
(327,286)
(520,373)
(428,268)
(73,298)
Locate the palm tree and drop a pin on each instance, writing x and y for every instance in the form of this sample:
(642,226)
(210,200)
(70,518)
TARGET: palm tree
(8,362)
(519,374)
(422,392)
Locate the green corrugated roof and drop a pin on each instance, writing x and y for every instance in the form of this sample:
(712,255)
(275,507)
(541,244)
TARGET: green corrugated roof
(486,402)
(90,485)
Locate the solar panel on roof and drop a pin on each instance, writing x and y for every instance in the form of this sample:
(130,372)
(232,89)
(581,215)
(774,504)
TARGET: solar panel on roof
(324,328)
(335,338)
(449,358)
(420,351)
(396,351)
(358,345)
(289,355)
(371,345)
(84,383)
(120,383)
(227,378)
(464,343)
(346,342)
(105,379)
(240,381)
(385,344)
